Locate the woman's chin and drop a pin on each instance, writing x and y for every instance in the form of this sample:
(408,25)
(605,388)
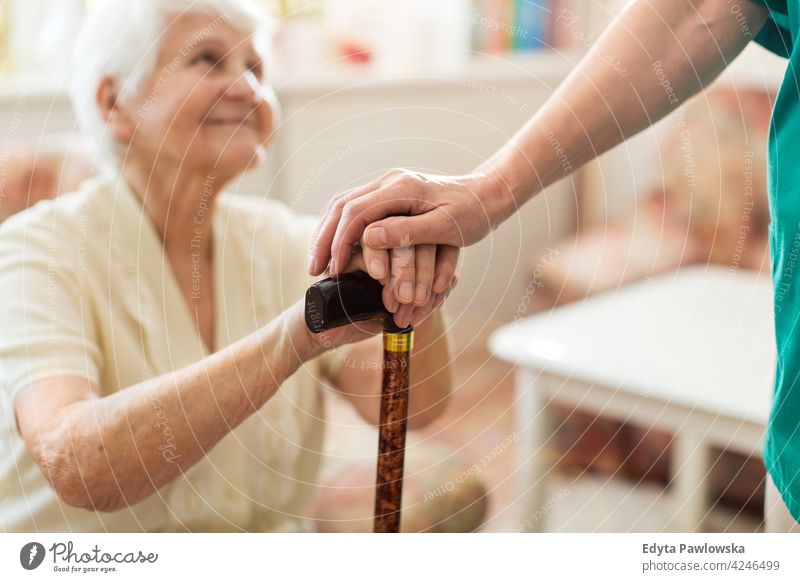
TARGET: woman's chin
(234,159)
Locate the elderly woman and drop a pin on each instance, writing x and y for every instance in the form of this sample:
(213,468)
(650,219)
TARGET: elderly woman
(157,373)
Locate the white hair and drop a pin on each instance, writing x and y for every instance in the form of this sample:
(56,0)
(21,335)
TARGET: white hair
(121,39)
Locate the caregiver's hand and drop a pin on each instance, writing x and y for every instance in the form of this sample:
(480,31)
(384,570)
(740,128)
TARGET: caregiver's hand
(649,61)
(403,209)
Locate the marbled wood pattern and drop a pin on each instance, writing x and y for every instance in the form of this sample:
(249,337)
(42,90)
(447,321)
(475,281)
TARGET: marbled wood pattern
(392,442)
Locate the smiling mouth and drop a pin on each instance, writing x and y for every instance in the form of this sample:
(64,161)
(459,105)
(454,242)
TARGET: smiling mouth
(231,122)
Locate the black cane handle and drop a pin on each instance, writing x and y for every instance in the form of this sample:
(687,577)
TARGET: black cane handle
(345,299)
(355,297)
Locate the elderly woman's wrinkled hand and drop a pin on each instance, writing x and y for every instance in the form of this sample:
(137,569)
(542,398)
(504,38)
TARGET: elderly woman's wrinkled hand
(418,264)
(416,279)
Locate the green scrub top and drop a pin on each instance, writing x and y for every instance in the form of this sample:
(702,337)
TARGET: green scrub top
(782,443)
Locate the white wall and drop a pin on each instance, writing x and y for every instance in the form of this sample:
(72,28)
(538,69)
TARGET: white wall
(617,178)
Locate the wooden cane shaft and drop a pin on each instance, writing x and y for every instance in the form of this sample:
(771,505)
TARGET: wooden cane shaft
(392,441)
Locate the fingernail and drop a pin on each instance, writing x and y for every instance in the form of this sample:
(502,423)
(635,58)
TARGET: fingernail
(415,321)
(405,319)
(378,268)
(440,285)
(312,265)
(406,292)
(393,304)
(422,294)
(377,236)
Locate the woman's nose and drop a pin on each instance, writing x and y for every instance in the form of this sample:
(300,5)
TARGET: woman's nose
(246,87)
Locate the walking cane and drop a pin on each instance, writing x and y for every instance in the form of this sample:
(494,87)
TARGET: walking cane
(355,297)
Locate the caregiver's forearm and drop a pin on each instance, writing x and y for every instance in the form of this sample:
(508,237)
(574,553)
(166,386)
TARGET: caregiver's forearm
(651,59)
(119,449)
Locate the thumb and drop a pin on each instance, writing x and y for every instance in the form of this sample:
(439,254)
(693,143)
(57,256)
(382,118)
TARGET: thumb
(405,231)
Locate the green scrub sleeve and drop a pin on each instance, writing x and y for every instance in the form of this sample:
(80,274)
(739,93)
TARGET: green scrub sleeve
(776,35)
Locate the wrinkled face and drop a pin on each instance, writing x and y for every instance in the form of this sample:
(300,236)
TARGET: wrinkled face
(204,105)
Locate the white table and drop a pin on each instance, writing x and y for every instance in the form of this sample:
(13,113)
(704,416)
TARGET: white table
(691,352)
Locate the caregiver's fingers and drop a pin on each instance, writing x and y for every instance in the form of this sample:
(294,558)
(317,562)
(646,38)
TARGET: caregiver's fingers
(446,264)
(403,269)
(424,268)
(362,211)
(323,235)
(433,227)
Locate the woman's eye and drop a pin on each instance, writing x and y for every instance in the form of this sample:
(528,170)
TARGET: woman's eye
(207,59)
(256,69)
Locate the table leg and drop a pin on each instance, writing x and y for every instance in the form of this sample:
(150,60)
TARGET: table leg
(533,462)
(690,458)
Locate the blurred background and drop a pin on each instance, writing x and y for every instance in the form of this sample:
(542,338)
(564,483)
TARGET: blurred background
(437,86)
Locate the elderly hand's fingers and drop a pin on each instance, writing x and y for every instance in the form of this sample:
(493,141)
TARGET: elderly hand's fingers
(446,263)
(440,298)
(403,267)
(420,313)
(425,266)
(351,333)
(434,302)
(377,263)
(402,316)
(389,300)
(357,262)
(326,228)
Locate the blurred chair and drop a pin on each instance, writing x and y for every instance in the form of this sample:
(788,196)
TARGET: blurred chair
(42,171)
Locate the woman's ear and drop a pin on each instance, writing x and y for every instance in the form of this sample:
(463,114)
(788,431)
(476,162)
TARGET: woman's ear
(115,117)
